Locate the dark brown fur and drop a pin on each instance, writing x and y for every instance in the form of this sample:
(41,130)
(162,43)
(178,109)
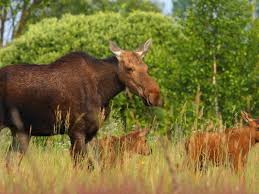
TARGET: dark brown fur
(67,96)
(234,144)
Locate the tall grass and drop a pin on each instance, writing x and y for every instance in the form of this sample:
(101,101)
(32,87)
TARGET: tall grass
(47,168)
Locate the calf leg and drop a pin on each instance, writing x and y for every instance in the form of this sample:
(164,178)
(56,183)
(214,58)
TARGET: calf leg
(239,167)
(238,163)
(196,160)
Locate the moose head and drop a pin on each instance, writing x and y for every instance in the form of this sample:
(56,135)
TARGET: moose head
(253,124)
(136,142)
(133,72)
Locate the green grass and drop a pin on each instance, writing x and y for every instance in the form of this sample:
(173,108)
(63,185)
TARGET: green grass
(48,169)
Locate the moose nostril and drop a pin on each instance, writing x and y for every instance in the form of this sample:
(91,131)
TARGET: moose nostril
(161,103)
(155,99)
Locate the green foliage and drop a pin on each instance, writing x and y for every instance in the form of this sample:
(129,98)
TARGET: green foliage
(222,32)
(17,15)
(180,7)
(58,8)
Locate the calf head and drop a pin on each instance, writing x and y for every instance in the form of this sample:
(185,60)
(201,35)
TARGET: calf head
(136,142)
(252,123)
(133,72)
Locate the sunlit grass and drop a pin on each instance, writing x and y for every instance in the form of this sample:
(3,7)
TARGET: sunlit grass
(49,169)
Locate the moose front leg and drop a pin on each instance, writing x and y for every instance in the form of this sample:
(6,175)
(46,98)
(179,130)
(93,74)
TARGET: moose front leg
(19,146)
(78,148)
(80,135)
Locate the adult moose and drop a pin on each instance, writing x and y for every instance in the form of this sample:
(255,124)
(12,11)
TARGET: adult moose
(70,93)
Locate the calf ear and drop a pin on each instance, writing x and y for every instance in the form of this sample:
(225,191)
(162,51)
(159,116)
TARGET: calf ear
(142,50)
(115,49)
(247,118)
(143,133)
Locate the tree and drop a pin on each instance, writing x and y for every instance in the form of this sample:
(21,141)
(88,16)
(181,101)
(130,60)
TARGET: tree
(13,16)
(16,15)
(180,7)
(216,56)
(256,8)
(87,7)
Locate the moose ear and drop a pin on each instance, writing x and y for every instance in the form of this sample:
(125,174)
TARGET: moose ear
(246,116)
(115,49)
(142,50)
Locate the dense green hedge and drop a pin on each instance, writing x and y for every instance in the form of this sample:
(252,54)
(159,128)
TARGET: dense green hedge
(52,38)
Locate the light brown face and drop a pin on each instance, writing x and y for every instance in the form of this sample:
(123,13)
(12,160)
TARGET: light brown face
(133,72)
(252,123)
(137,142)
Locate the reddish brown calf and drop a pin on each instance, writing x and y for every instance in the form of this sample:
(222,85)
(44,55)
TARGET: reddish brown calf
(111,149)
(217,147)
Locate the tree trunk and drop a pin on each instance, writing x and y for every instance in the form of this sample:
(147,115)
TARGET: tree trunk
(22,21)
(2,27)
(26,10)
(214,82)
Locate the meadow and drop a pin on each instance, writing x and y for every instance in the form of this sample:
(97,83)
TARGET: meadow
(48,168)
(204,58)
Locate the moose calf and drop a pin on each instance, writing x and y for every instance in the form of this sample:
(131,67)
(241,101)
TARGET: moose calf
(111,149)
(233,144)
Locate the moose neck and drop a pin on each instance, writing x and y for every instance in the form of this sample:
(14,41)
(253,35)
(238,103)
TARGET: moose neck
(109,84)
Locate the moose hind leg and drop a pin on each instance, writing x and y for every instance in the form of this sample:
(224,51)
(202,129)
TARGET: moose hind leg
(92,131)
(19,146)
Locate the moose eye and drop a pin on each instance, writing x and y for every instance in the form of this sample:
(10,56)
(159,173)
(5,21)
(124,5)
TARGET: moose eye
(129,69)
